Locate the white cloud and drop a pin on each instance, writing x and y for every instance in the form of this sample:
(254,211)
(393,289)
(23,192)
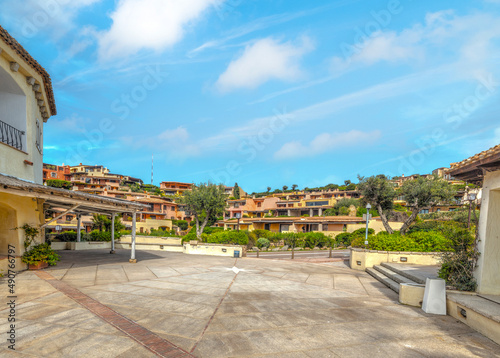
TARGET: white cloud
(265,60)
(174,143)
(324,143)
(178,134)
(31,17)
(149,24)
(469,39)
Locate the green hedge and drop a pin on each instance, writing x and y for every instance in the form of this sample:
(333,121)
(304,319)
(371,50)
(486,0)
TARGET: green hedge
(423,241)
(67,236)
(228,237)
(96,235)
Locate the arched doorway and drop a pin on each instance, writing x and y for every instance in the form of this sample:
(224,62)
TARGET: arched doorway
(8,221)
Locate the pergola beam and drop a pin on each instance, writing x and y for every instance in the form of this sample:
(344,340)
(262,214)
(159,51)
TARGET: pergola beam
(59,216)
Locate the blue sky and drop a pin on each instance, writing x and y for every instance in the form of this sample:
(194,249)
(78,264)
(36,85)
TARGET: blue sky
(265,93)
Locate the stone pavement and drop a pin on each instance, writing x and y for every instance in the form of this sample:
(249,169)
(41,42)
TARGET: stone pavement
(94,304)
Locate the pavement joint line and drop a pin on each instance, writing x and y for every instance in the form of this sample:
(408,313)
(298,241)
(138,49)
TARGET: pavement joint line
(149,340)
(125,272)
(213,314)
(152,272)
(67,270)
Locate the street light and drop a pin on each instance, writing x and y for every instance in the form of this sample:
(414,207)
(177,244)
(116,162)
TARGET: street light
(368,207)
(238,216)
(470,197)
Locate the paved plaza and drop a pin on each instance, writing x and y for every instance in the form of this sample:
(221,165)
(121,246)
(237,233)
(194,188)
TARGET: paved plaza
(93,304)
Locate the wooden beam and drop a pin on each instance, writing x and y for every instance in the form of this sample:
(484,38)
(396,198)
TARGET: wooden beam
(59,216)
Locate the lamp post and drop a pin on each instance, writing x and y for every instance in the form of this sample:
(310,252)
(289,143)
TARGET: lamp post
(238,216)
(471,198)
(368,207)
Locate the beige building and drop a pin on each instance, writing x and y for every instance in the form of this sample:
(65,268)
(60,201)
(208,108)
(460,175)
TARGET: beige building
(26,103)
(484,168)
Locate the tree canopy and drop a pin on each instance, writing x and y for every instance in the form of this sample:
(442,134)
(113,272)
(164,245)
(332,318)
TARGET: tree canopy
(418,193)
(204,201)
(236,191)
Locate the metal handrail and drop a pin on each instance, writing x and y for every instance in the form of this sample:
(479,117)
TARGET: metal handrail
(11,136)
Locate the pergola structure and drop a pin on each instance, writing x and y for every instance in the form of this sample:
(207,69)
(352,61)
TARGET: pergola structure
(484,169)
(69,201)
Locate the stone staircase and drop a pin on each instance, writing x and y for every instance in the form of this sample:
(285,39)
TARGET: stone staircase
(392,274)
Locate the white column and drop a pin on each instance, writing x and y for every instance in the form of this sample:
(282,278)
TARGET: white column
(78,229)
(132,251)
(113,233)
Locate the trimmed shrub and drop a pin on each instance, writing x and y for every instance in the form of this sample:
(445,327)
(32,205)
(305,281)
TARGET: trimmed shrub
(262,242)
(314,239)
(431,241)
(262,233)
(228,237)
(344,239)
(67,236)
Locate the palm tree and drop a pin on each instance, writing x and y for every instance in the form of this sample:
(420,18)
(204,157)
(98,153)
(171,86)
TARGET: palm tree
(294,186)
(268,189)
(99,222)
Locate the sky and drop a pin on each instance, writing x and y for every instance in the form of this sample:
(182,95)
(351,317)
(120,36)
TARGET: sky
(265,92)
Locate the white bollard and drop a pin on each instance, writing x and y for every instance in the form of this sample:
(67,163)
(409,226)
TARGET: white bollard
(435,296)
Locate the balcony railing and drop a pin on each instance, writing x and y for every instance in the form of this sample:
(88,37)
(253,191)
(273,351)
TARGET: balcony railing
(11,136)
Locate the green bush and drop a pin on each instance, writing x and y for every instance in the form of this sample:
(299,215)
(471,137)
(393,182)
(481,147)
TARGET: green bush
(228,237)
(67,236)
(266,234)
(57,183)
(424,241)
(263,242)
(315,239)
(459,264)
(40,253)
(344,239)
(211,230)
(182,224)
(362,232)
(96,235)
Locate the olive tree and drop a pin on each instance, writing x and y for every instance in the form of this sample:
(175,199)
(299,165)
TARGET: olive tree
(424,192)
(379,192)
(205,200)
(418,193)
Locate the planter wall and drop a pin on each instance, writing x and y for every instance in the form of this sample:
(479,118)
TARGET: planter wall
(40,265)
(361,259)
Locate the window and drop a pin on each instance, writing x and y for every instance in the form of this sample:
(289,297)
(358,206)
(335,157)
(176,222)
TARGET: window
(325,227)
(267,227)
(424,211)
(53,175)
(38,142)
(284,227)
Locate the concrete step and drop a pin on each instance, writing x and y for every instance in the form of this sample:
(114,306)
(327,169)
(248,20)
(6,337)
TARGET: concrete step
(393,285)
(393,275)
(415,273)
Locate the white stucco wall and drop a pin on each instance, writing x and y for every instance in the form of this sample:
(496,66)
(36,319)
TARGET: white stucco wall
(488,270)
(19,108)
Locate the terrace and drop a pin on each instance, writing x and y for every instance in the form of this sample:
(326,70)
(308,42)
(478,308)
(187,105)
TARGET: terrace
(168,304)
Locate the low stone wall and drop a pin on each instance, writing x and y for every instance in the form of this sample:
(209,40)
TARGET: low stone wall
(89,245)
(195,248)
(139,239)
(55,245)
(361,259)
(149,246)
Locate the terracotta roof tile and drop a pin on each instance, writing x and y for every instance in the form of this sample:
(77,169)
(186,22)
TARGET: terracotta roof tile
(483,155)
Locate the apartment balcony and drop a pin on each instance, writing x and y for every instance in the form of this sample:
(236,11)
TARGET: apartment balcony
(11,136)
